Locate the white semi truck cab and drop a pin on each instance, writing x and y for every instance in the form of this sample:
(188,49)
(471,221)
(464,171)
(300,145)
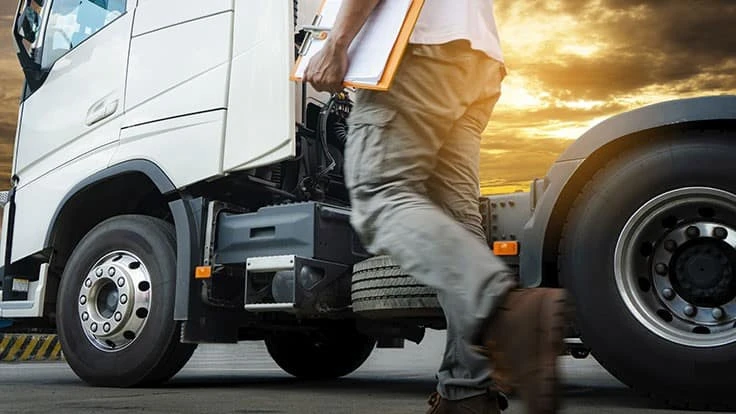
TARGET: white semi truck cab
(171,186)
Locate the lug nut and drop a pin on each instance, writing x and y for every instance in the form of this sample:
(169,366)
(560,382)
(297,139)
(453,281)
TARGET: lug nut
(118,316)
(88,283)
(111,271)
(717,313)
(690,310)
(692,232)
(121,281)
(720,233)
(661,269)
(98,272)
(83,300)
(85,316)
(670,245)
(106,327)
(123,299)
(93,327)
(668,294)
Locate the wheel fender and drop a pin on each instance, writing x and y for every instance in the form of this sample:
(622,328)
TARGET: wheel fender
(188,220)
(550,192)
(187,214)
(148,168)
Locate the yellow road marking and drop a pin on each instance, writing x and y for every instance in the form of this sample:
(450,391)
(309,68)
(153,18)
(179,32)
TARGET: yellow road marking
(16,346)
(4,344)
(57,350)
(29,348)
(42,352)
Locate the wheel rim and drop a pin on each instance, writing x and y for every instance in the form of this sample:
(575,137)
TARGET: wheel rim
(114,301)
(675,266)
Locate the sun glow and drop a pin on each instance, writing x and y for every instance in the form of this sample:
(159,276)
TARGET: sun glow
(572,130)
(520,92)
(580,50)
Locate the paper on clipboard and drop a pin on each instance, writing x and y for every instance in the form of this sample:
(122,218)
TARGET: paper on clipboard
(370,51)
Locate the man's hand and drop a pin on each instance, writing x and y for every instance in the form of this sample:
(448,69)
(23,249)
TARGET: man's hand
(326,70)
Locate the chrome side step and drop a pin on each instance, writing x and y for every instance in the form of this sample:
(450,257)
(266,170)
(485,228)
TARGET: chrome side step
(269,283)
(33,306)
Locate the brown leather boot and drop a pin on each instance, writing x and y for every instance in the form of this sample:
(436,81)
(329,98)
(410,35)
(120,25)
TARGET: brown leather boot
(523,340)
(481,404)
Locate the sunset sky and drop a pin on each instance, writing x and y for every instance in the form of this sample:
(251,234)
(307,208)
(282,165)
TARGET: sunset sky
(572,63)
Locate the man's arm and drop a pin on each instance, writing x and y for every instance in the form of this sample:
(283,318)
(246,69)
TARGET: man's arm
(326,70)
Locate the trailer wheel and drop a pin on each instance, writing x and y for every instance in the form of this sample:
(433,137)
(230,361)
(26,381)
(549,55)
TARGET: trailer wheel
(382,290)
(116,303)
(649,254)
(326,353)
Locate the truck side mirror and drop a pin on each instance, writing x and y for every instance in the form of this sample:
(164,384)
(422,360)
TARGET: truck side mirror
(26,30)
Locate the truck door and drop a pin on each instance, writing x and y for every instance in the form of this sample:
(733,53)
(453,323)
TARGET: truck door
(261,105)
(81,50)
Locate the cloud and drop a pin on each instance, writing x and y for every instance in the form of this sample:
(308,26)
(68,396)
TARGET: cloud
(510,162)
(8,7)
(630,44)
(11,79)
(7,132)
(574,63)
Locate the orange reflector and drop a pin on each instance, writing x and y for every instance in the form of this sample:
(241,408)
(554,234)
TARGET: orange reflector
(506,248)
(203,272)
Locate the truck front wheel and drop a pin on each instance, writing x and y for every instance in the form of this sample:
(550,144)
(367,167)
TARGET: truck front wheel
(326,353)
(649,253)
(116,304)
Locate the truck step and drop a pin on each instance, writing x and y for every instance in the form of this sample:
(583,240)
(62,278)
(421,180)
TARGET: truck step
(269,283)
(294,284)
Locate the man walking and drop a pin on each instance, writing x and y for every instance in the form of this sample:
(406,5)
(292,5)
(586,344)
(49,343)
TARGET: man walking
(412,170)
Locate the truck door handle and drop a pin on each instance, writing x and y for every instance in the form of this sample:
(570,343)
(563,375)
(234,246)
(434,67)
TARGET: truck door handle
(101,110)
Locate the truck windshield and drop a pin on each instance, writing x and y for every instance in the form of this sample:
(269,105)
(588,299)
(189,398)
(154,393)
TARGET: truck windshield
(73,21)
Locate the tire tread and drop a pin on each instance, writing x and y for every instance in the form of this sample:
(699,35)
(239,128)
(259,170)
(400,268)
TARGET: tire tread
(381,287)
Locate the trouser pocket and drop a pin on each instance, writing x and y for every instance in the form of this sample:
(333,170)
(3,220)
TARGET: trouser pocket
(365,150)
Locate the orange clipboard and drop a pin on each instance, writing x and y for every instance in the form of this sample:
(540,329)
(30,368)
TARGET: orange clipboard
(394,60)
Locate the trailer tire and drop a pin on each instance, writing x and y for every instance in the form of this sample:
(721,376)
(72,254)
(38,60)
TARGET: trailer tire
(326,353)
(634,254)
(116,304)
(382,290)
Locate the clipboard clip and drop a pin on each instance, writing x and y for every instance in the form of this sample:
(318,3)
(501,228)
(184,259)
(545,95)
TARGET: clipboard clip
(313,32)
(318,32)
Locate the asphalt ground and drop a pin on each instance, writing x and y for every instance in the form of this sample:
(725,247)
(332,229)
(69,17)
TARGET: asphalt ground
(243,379)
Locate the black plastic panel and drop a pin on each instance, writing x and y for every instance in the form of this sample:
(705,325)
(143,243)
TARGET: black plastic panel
(310,230)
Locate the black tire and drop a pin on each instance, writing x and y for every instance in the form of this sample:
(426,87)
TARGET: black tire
(639,355)
(156,353)
(381,289)
(328,353)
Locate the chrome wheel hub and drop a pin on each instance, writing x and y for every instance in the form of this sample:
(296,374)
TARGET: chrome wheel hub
(675,266)
(114,301)
(698,286)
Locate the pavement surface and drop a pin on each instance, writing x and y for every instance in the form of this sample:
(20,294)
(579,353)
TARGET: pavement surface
(243,379)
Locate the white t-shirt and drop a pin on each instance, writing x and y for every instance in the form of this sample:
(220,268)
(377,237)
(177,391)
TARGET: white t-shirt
(443,21)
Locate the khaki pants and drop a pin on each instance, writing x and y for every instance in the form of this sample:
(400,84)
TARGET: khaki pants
(412,170)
